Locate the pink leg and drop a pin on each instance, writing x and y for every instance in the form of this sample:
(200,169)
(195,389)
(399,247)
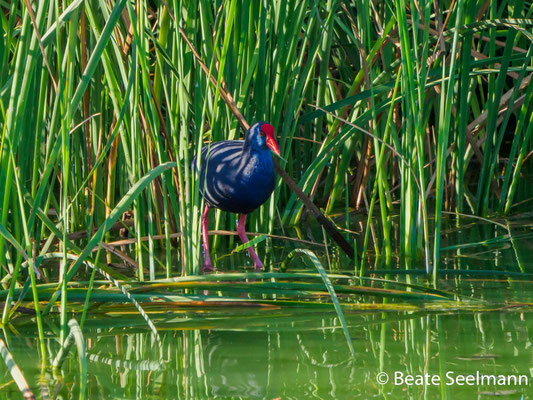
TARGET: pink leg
(205,238)
(242,235)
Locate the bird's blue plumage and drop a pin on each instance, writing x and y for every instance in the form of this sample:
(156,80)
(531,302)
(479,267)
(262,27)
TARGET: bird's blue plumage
(235,175)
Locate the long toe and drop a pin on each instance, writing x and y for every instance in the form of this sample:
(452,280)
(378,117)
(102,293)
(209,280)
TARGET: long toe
(258,265)
(207,267)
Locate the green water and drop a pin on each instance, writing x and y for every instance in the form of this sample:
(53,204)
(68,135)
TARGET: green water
(295,357)
(301,353)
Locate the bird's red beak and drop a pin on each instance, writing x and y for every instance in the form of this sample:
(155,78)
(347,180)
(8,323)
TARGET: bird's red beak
(270,142)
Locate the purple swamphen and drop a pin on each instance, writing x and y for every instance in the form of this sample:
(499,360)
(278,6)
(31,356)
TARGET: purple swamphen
(237,176)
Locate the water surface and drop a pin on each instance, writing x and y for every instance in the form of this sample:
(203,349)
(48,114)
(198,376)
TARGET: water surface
(450,350)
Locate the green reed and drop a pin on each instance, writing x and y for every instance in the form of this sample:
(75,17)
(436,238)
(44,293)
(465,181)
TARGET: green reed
(398,110)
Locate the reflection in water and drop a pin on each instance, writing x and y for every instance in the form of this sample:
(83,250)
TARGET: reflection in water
(295,358)
(301,352)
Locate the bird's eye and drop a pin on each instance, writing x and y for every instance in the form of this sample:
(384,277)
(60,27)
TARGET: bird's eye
(262,133)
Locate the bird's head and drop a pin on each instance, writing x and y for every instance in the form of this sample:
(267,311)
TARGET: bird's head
(261,137)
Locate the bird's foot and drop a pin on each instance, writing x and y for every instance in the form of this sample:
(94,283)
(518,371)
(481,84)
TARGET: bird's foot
(207,267)
(258,265)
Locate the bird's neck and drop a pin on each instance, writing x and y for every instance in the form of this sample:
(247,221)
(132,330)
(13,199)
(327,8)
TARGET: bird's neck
(251,153)
(252,159)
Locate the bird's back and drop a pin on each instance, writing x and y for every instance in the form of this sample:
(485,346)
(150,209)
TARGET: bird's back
(233,181)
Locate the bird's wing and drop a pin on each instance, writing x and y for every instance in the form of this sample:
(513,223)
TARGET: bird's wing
(218,170)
